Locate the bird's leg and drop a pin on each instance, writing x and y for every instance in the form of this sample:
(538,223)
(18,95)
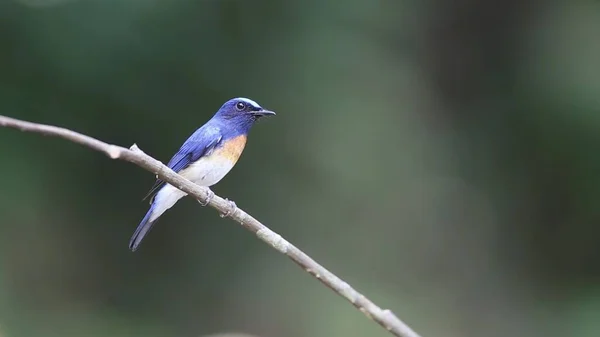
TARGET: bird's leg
(210,196)
(231,210)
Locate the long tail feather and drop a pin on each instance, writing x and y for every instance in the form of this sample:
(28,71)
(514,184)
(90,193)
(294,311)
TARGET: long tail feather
(164,199)
(142,230)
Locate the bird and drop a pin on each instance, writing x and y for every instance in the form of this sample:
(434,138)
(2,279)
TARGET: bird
(205,158)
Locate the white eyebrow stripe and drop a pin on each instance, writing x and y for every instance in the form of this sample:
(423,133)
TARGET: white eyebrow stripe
(249,101)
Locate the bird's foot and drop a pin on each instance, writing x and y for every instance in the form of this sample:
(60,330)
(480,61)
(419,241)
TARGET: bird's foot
(231,210)
(210,196)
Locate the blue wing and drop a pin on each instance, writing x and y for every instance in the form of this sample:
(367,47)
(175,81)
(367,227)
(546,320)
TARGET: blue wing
(199,144)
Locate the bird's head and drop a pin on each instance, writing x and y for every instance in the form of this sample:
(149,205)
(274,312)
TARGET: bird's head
(243,109)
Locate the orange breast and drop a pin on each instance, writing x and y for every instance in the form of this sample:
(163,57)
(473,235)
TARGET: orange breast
(231,149)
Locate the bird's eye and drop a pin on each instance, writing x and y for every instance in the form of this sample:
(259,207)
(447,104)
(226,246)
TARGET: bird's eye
(240,106)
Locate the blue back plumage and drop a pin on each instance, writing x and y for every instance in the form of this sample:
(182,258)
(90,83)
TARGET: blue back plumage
(227,123)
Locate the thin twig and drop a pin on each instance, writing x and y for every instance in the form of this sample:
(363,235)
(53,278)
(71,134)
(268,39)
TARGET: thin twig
(383,317)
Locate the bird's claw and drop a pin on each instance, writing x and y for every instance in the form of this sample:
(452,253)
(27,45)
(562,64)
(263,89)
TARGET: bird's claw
(231,210)
(210,196)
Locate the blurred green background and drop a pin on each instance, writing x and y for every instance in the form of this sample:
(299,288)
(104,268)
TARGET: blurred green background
(443,157)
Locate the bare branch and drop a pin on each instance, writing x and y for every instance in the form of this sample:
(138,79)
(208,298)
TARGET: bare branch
(385,318)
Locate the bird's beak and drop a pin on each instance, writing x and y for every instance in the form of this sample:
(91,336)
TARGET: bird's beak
(263,112)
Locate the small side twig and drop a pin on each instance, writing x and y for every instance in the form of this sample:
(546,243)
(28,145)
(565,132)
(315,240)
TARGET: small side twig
(134,155)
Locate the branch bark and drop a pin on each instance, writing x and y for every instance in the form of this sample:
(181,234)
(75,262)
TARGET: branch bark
(383,317)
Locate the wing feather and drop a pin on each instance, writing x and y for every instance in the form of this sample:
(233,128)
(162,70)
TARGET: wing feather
(199,144)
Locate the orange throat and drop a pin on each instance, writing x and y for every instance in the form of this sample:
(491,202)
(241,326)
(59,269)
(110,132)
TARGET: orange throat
(232,149)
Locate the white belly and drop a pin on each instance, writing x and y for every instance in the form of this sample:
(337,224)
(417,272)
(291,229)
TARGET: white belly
(208,171)
(204,172)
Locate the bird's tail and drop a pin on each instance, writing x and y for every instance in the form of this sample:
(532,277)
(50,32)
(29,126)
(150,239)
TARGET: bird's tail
(142,229)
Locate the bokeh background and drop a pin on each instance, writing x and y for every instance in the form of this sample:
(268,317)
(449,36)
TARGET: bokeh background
(443,157)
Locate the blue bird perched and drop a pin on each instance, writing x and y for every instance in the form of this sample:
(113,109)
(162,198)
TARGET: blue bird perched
(205,157)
